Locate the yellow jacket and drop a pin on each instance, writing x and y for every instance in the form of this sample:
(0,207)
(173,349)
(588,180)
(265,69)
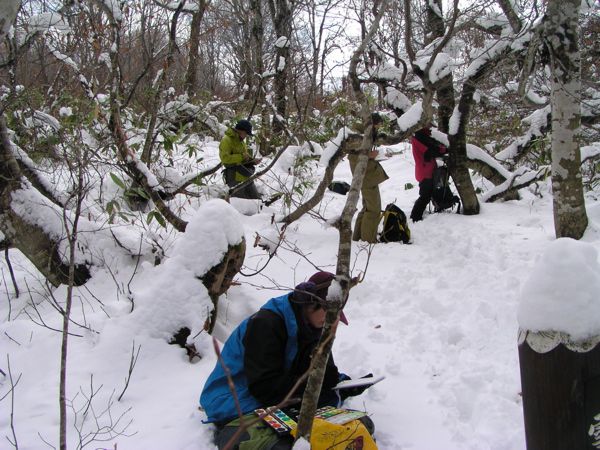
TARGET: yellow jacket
(232,150)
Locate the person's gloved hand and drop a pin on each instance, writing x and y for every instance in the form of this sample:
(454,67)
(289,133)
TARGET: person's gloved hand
(430,154)
(354,391)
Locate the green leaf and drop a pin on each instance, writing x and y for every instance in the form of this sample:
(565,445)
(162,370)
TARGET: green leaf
(142,193)
(160,219)
(168,141)
(149,217)
(117,181)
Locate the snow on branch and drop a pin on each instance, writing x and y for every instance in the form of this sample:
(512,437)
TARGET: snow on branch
(61,57)
(282,42)
(388,72)
(396,99)
(334,144)
(188,7)
(477,154)
(35,177)
(590,152)
(539,124)
(492,51)
(45,21)
(411,117)
(504,180)
(112,9)
(439,68)
(519,179)
(180,110)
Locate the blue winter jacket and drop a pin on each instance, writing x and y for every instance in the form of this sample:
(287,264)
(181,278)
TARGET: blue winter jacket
(216,399)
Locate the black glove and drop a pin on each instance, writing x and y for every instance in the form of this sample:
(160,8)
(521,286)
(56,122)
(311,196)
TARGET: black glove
(355,391)
(430,153)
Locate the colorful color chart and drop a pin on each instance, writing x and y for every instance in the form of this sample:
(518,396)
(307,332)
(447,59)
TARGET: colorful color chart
(284,423)
(278,420)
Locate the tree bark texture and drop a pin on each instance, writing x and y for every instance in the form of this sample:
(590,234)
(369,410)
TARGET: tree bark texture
(219,278)
(191,76)
(562,40)
(281,10)
(317,373)
(445,86)
(8,13)
(458,153)
(258,37)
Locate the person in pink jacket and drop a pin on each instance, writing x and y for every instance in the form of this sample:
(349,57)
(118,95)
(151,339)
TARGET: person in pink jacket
(425,149)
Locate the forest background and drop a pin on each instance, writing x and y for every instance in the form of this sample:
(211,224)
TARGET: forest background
(110,117)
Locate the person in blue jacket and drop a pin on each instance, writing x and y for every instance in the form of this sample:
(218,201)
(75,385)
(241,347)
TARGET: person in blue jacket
(266,355)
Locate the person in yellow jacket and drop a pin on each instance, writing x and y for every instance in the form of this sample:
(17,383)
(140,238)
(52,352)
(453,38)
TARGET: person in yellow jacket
(238,159)
(367,221)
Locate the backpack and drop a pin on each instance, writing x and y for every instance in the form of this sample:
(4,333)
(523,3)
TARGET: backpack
(395,226)
(339,187)
(442,196)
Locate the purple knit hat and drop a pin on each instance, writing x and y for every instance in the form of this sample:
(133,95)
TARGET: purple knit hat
(316,286)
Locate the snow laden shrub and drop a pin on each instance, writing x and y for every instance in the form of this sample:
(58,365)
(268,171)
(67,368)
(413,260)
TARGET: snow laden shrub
(172,295)
(296,172)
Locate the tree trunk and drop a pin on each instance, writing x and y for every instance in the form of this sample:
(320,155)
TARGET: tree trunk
(281,11)
(562,30)
(191,76)
(458,153)
(8,13)
(444,87)
(257,35)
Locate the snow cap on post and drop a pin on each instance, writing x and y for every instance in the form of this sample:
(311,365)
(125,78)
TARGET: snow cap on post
(561,294)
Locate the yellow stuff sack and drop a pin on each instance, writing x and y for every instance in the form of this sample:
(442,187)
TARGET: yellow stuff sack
(329,436)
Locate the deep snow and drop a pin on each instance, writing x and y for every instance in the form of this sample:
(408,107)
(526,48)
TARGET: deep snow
(437,317)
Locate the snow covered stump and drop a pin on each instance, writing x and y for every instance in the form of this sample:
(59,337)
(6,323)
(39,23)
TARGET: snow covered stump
(559,351)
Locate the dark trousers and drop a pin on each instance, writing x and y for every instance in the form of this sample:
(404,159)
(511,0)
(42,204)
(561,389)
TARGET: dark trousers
(223,436)
(425,191)
(233,176)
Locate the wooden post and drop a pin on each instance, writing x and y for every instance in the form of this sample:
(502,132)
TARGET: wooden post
(560,381)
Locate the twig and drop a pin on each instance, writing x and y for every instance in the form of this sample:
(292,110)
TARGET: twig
(6,334)
(137,263)
(132,363)
(12,274)
(7,296)
(13,385)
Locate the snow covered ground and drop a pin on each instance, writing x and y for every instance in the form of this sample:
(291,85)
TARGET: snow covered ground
(437,317)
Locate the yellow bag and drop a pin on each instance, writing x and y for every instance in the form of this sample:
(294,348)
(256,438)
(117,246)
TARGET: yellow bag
(329,436)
